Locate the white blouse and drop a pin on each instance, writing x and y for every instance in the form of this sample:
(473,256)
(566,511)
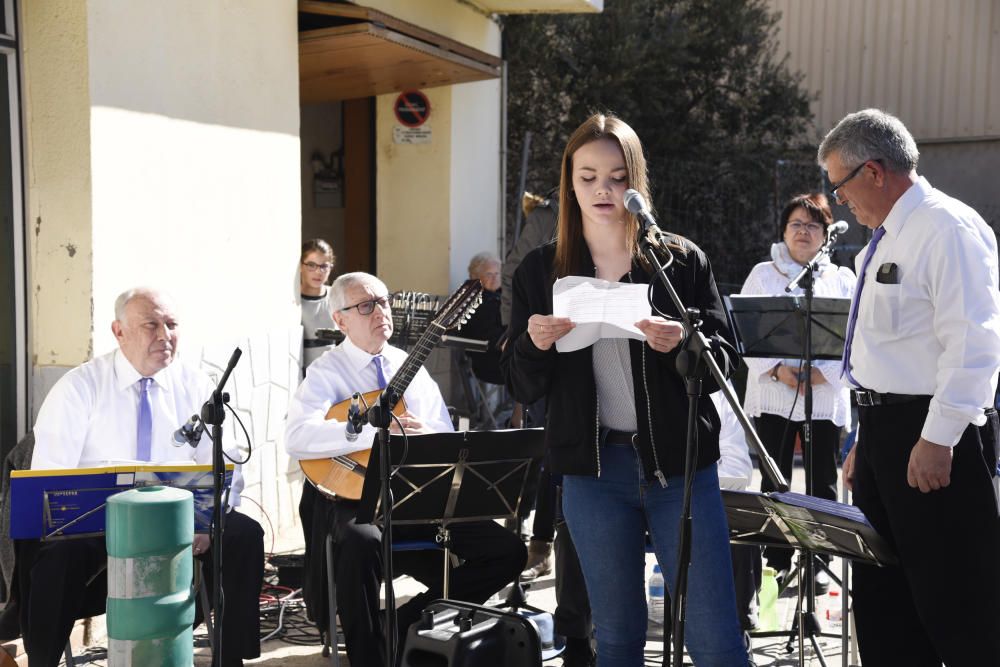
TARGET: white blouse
(831,399)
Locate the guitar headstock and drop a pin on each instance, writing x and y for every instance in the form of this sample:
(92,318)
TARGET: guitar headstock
(459,307)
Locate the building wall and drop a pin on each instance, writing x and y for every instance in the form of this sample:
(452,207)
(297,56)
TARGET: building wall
(184,152)
(936,63)
(56,98)
(439,202)
(413,193)
(475,174)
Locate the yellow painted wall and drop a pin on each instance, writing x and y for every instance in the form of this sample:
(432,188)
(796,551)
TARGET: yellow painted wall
(413,194)
(447,17)
(59,251)
(164,150)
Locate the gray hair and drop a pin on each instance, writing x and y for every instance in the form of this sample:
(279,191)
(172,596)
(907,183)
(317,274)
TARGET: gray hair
(479,259)
(871,134)
(123,299)
(337,297)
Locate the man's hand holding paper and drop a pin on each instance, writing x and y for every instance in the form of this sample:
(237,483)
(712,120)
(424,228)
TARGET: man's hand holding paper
(603,309)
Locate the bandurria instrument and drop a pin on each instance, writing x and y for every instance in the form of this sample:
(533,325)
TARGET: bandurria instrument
(343,476)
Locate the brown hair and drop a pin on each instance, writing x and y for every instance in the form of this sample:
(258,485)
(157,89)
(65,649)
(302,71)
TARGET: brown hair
(317,245)
(815,204)
(569,236)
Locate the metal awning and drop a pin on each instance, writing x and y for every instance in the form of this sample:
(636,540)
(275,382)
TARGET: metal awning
(347,51)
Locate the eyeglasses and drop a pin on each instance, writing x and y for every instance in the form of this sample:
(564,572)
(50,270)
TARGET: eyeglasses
(368,307)
(811,227)
(854,172)
(312,266)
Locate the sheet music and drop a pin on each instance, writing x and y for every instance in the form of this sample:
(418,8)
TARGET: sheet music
(599,308)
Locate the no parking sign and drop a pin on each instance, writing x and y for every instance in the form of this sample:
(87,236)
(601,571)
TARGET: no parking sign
(412,109)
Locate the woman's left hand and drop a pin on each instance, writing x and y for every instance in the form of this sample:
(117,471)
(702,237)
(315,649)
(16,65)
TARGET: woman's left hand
(662,335)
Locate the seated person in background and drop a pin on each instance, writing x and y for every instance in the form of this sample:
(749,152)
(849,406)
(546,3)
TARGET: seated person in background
(315,265)
(125,406)
(485,323)
(365,361)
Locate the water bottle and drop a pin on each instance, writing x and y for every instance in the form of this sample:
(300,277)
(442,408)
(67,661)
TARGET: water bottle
(834,611)
(656,596)
(767,617)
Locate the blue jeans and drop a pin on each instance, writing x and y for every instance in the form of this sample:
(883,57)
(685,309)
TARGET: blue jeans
(608,517)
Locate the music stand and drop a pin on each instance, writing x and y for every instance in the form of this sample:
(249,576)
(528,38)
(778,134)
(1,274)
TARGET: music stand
(806,328)
(449,478)
(774,326)
(811,525)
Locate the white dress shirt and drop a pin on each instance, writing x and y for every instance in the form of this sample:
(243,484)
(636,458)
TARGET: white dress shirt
(831,399)
(333,378)
(89,418)
(936,332)
(735,467)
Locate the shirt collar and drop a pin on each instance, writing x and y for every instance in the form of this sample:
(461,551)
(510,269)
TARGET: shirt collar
(905,205)
(126,375)
(359,359)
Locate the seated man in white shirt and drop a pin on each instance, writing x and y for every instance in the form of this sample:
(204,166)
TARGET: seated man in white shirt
(125,406)
(365,361)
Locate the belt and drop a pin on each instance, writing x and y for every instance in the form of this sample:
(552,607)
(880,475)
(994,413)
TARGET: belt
(868,399)
(619,438)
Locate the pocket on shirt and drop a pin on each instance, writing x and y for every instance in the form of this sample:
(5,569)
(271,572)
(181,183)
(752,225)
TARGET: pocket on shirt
(883,313)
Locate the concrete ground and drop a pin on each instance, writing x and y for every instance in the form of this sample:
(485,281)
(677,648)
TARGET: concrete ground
(296,643)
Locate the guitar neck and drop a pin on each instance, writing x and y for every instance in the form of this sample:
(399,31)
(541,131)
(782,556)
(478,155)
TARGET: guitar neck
(418,355)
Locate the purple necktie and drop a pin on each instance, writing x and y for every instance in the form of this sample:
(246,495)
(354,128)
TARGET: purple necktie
(853,319)
(377,360)
(144,425)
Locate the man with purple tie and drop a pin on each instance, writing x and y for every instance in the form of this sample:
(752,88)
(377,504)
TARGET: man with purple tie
(922,355)
(364,361)
(124,406)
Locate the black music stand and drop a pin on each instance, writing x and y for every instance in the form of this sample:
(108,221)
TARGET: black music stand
(459,477)
(774,326)
(811,525)
(805,328)
(449,478)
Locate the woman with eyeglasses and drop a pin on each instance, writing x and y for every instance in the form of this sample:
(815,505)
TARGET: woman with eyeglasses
(775,387)
(618,409)
(315,266)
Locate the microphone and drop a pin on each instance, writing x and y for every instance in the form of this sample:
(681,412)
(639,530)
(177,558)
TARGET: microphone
(836,229)
(354,418)
(637,206)
(190,432)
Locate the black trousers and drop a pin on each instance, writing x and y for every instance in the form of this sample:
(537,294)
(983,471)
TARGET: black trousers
(941,603)
(493,556)
(57,573)
(822,460)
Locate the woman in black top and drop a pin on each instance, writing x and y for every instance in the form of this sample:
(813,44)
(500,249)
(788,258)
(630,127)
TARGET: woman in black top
(617,410)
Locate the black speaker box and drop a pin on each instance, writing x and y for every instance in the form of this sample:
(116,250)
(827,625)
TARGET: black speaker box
(458,634)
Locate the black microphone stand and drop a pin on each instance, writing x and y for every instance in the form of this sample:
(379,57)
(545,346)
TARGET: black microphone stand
(213,412)
(379,415)
(807,623)
(692,361)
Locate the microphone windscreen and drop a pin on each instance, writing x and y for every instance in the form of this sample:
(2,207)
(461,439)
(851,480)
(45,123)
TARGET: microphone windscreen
(634,201)
(838,227)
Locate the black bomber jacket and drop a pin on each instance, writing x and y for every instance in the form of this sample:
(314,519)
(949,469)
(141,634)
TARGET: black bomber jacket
(566,380)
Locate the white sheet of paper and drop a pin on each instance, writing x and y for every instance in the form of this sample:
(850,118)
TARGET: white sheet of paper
(600,309)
